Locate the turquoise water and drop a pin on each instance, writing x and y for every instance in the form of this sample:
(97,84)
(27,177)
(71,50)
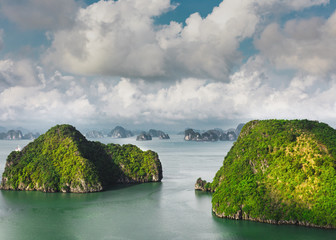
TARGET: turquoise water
(167,210)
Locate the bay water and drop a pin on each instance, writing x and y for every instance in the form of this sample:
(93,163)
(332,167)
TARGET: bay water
(167,210)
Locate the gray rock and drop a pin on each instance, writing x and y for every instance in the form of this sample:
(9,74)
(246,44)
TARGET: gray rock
(144,137)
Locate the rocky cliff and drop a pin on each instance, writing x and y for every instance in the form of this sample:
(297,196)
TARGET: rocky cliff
(212,135)
(94,134)
(158,133)
(120,132)
(144,137)
(17,135)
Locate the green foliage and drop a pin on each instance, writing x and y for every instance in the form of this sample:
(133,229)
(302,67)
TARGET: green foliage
(280,170)
(63,160)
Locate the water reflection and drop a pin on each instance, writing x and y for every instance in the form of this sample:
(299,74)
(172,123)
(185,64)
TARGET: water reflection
(239,229)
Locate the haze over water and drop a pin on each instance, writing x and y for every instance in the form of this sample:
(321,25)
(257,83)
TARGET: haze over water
(167,210)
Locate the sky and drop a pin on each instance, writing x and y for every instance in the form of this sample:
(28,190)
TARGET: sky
(166,64)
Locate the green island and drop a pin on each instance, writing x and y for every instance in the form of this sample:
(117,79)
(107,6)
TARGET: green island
(280,172)
(63,160)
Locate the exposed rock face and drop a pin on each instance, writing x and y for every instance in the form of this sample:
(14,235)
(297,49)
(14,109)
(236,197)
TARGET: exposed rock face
(239,128)
(202,185)
(158,133)
(62,160)
(94,134)
(120,132)
(31,136)
(144,137)
(213,135)
(164,136)
(13,135)
(279,172)
(18,135)
(191,135)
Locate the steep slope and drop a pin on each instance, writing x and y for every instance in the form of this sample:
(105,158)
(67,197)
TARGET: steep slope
(279,171)
(63,160)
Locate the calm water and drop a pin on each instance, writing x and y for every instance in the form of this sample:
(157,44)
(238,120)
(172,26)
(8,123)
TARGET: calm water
(167,210)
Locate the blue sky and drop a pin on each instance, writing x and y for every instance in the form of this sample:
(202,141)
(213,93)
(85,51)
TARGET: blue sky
(176,64)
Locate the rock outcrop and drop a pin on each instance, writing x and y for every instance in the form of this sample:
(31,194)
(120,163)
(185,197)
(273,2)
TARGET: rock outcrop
(280,172)
(14,135)
(18,135)
(144,137)
(212,135)
(202,185)
(94,134)
(63,160)
(158,133)
(120,132)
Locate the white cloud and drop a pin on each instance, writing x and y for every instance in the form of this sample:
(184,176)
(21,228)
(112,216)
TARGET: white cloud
(248,95)
(308,45)
(45,102)
(119,38)
(111,38)
(39,14)
(17,73)
(282,5)
(208,47)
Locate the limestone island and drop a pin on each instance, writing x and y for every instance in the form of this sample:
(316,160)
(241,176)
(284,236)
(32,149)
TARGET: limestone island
(120,132)
(152,133)
(213,135)
(280,172)
(63,160)
(144,137)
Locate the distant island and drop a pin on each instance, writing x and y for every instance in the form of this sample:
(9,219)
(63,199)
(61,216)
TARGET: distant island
(212,135)
(18,135)
(94,134)
(63,160)
(120,132)
(280,172)
(152,133)
(144,137)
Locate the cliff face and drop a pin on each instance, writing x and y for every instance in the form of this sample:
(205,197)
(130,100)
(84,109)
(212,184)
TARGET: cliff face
(62,160)
(144,137)
(158,133)
(94,134)
(120,132)
(279,171)
(18,135)
(213,135)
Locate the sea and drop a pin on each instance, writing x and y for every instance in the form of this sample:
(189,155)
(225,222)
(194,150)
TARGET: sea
(171,209)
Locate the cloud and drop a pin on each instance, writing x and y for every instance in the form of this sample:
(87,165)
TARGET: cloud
(43,102)
(118,45)
(250,94)
(111,38)
(39,14)
(208,47)
(123,41)
(305,45)
(119,38)
(276,6)
(17,73)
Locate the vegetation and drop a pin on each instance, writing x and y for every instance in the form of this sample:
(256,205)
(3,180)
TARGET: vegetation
(63,160)
(279,171)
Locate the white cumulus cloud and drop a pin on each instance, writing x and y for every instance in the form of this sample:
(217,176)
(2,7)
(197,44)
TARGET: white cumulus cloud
(39,14)
(308,45)
(111,38)
(119,38)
